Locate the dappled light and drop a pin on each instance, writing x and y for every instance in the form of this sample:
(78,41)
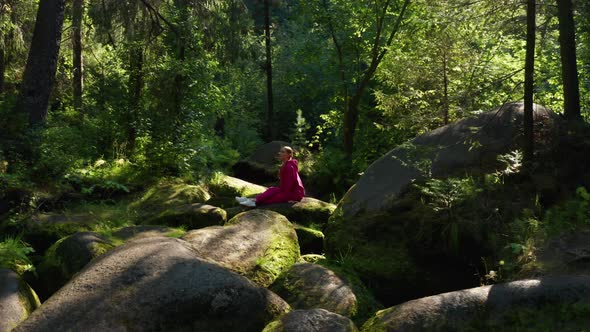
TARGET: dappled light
(167,165)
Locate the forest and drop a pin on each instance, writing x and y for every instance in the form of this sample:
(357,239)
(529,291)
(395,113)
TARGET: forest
(443,146)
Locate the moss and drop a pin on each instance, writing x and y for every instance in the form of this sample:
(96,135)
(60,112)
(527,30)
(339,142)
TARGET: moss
(367,305)
(169,192)
(223,185)
(42,235)
(275,326)
(310,240)
(192,216)
(28,298)
(376,323)
(282,253)
(176,233)
(66,258)
(551,317)
(311,258)
(309,212)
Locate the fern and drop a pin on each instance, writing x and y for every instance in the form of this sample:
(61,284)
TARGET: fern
(14,255)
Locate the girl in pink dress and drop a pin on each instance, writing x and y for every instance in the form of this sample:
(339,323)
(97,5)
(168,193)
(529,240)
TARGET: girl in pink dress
(290,188)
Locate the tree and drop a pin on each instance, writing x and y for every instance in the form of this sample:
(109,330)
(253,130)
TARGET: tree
(77,13)
(569,70)
(528,82)
(42,61)
(269,97)
(379,14)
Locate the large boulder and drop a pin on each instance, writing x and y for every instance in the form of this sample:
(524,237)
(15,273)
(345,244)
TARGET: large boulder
(143,231)
(191,216)
(395,241)
(258,244)
(225,185)
(309,211)
(545,304)
(158,284)
(310,286)
(44,229)
(319,320)
(17,300)
(169,193)
(67,257)
(262,165)
(469,145)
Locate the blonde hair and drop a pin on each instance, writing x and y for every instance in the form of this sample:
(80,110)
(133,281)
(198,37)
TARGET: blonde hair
(288,149)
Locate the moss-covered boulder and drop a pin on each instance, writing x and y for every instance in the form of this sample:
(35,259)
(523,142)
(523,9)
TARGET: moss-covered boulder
(311,241)
(308,212)
(142,231)
(44,229)
(400,244)
(67,257)
(191,216)
(17,300)
(320,320)
(169,193)
(544,304)
(156,284)
(258,244)
(261,166)
(229,186)
(309,286)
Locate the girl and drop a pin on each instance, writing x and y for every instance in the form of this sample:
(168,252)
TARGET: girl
(290,188)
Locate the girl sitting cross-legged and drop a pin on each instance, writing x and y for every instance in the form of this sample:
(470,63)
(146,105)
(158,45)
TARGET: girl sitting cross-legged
(290,188)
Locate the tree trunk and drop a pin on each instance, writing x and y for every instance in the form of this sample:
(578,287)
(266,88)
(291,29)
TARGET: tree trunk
(378,51)
(135,87)
(42,61)
(528,83)
(569,71)
(271,130)
(135,83)
(2,68)
(77,12)
(445,89)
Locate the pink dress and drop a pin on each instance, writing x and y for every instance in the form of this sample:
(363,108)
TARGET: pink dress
(290,188)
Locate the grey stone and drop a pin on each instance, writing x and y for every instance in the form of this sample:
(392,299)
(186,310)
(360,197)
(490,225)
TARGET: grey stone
(156,284)
(258,244)
(310,286)
(17,300)
(317,320)
(488,306)
(67,257)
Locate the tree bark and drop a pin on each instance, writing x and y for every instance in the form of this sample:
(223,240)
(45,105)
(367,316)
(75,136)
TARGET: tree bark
(78,83)
(271,131)
(569,70)
(529,83)
(41,65)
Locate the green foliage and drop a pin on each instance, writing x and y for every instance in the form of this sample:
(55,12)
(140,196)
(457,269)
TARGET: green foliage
(448,198)
(330,173)
(14,255)
(62,148)
(106,179)
(571,215)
